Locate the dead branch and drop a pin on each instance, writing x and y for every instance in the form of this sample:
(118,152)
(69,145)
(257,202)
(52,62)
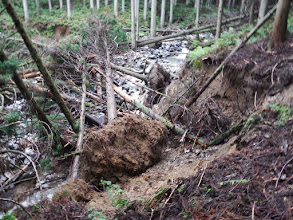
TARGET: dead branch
(129,72)
(21,206)
(31,161)
(196,94)
(75,165)
(31,75)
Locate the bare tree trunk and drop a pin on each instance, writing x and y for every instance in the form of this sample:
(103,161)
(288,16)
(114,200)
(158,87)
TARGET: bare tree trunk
(115,8)
(106,2)
(68,9)
(92,6)
(242,7)
(137,18)
(47,77)
(133,29)
(38,7)
(251,12)
(145,10)
(280,23)
(163,10)
(50,5)
(229,5)
(123,6)
(153,18)
(98,4)
(219,20)
(79,143)
(196,5)
(262,9)
(171,12)
(111,103)
(25,9)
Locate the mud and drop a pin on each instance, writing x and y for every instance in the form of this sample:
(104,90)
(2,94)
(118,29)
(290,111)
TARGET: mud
(125,148)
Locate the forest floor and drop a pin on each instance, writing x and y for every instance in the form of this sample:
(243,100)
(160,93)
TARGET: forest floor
(247,176)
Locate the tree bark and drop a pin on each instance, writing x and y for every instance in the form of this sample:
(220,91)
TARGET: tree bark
(251,12)
(92,6)
(133,29)
(25,9)
(196,5)
(111,103)
(123,6)
(242,7)
(68,9)
(50,5)
(145,10)
(153,18)
(106,2)
(38,7)
(47,77)
(280,23)
(219,20)
(163,10)
(196,94)
(115,8)
(98,4)
(137,18)
(262,9)
(171,12)
(75,165)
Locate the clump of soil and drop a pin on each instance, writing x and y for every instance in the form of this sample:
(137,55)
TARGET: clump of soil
(127,147)
(159,79)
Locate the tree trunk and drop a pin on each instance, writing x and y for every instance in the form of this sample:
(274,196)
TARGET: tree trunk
(25,9)
(35,108)
(79,143)
(145,10)
(68,9)
(153,18)
(98,4)
(50,5)
(196,5)
(163,9)
(280,23)
(38,7)
(262,9)
(229,5)
(219,20)
(111,103)
(106,2)
(92,6)
(171,12)
(251,12)
(137,18)
(242,7)
(115,8)
(123,6)
(47,77)
(133,29)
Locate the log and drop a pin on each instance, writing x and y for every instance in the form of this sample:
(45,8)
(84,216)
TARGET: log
(202,29)
(153,115)
(196,94)
(130,73)
(147,29)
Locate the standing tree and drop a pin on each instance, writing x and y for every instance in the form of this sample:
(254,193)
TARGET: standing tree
(251,12)
(171,11)
(242,6)
(92,6)
(60,4)
(262,9)
(137,18)
(25,9)
(145,10)
(123,6)
(98,4)
(153,18)
(115,8)
(219,20)
(106,2)
(280,23)
(68,9)
(163,9)
(38,7)
(50,5)
(196,5)
(133,29)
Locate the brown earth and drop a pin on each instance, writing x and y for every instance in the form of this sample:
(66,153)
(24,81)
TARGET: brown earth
(248,177)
